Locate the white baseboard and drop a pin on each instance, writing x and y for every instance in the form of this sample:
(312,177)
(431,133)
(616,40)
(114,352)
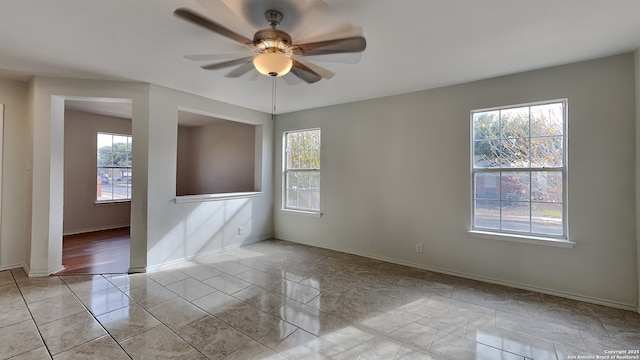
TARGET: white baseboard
(598,301)
(88,230)
(45,273)
(204,254)
(12,267)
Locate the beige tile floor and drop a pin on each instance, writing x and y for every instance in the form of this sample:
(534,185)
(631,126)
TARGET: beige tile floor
(278,300)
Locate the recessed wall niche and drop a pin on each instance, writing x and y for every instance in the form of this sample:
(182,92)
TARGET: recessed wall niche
(216,156)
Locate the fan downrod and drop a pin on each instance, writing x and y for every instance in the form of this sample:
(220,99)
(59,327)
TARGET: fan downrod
(274,17)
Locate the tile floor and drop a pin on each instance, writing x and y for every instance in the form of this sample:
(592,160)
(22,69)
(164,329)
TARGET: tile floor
(278,300)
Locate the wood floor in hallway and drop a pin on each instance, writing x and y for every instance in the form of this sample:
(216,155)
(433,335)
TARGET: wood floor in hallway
(100,252)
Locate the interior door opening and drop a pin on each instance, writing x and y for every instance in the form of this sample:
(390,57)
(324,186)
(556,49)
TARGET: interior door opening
(98,185)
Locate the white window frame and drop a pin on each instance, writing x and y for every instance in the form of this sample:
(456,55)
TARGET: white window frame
(285,171)
(521,236)
(130,168)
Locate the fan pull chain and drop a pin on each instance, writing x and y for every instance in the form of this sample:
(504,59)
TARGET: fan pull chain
(273,97)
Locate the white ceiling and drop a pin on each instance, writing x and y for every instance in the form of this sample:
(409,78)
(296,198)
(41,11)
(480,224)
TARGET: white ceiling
(412,44)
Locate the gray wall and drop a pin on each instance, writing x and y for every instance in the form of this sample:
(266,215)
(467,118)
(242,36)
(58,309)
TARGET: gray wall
(396,172)
(81,214)
(182,230)
(16,194)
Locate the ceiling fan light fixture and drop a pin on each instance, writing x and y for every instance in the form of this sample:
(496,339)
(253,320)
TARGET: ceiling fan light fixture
(272,63)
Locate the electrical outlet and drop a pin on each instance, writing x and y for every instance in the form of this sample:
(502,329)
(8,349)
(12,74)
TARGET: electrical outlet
(419,248)
(240,230)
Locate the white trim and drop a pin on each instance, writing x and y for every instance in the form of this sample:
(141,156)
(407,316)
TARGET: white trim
(1,157)
(215,197)
(201,255)
(37,274)
(522,239)
(592,300)
(137,270)
(111,202)
(301,212)
(52,271)
(89,230)
(12,267)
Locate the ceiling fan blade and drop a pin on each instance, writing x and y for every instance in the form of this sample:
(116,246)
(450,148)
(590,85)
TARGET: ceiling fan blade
(342,58)
(304,73)
(225,64)
(210,57)
(202,21)
(291,79)
(228,13)
(337,46)
(343,31)
(241,70)
(317,17)
(326,74)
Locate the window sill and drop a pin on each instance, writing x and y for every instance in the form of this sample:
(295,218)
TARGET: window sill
(523,239)
(112,202)
(215,197)
(303,213)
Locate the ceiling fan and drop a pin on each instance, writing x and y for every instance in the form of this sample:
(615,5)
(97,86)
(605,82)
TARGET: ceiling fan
(273,52)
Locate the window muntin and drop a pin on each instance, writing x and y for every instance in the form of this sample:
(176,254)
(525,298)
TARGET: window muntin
(113,167)
(519,169)
(302,170)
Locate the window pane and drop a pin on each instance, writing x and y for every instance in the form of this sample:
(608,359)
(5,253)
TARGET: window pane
(546,151)
(487,214)
(487,186)
(546,219)
(292,181)
(105,184)
(486,154)
(314,199)
(105,140)
(303,180)
(515,153)
(547,119)
(515,122)
(546,186)
(105,157)
(120,142)
(515,186)
(314,179)
(515,216)
(486,125)
(289,161)
(291,201)
(303,199)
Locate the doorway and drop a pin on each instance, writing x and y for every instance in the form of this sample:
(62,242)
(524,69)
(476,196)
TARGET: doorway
(97,186)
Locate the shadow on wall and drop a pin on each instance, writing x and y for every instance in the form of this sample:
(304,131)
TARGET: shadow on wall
(209,227)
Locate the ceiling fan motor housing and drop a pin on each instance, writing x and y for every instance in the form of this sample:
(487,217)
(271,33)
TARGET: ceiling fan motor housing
(273,40)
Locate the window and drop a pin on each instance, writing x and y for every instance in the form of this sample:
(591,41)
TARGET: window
(519,169)
(302,170)
(114,167)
